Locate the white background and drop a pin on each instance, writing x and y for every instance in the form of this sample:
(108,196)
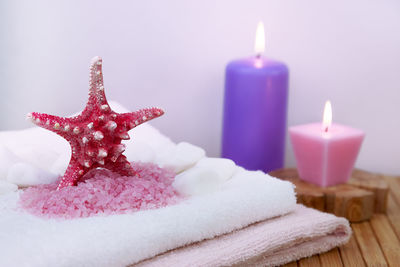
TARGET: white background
(173,54)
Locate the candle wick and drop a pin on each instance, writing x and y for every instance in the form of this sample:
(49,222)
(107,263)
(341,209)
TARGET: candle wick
(258,56)
(326,129)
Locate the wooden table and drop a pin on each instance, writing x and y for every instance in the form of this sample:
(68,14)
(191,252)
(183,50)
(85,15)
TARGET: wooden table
(374,243)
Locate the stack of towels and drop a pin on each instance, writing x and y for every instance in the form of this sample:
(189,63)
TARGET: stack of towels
(229,217)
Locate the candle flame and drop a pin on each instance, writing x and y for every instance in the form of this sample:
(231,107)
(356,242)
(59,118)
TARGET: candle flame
(327,118)
(259,45)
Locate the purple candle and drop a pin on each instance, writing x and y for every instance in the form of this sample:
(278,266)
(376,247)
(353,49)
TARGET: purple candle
(255,107)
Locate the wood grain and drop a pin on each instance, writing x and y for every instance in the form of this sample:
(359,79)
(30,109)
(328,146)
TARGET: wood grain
(372,182)
(368,244)
(351,254)
(331,258)
(393,214)
(310,262)
(352,203)
(394,185)
(387,239)
(292,264)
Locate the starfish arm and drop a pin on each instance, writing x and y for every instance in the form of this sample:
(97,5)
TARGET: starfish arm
(52,123)
(71,176)
(96,84)
(122,166)
(133,119)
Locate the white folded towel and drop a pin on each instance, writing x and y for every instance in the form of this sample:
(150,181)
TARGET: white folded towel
(120,240)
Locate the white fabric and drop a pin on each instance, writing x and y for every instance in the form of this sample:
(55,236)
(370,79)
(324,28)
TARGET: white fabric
(120,240)
(181,157)
(6,187)
(208,175)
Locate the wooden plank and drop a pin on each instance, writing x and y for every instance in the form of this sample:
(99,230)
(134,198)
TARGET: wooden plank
(394,185)
(351,254)
(352,203)
(331,258)
(291,264)
(373,182)
(368,244)
(310,262)
(393,210)
(387,239)
(393,214)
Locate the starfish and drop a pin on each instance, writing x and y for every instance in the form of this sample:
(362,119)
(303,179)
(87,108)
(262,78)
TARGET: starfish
(95,134)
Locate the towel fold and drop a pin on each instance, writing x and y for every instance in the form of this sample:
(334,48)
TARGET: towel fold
(120,240)
(273,242)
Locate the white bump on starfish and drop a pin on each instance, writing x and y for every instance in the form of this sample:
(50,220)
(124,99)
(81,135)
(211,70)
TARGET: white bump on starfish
(67,128)
(104,107)
(113,116)
(81,172)
(124,136)
(85,140)
(98,135)
(37,120)
(101,88)
(87,163)
(47,122)
(144,118)
(56,126)
(137,122)
(98,72)
(76,130)
(90,153)
(101,161)
(99,62)
(101,117)
(111,125)
(102,153)
(90,125)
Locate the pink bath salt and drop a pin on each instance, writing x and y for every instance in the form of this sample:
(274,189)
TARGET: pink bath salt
(104,192)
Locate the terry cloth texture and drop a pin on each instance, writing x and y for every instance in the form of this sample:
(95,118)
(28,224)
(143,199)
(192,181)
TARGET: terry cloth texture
(272,242)
(120,240)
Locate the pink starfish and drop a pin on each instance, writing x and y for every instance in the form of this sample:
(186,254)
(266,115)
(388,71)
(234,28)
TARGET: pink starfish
(95,135)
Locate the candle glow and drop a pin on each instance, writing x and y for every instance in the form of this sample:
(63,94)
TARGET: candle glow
(327,117)
(259,45)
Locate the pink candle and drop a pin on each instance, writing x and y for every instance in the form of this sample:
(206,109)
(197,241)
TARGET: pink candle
(325,153)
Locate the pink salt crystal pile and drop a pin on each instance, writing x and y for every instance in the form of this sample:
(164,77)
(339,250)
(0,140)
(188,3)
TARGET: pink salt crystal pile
(103,192)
